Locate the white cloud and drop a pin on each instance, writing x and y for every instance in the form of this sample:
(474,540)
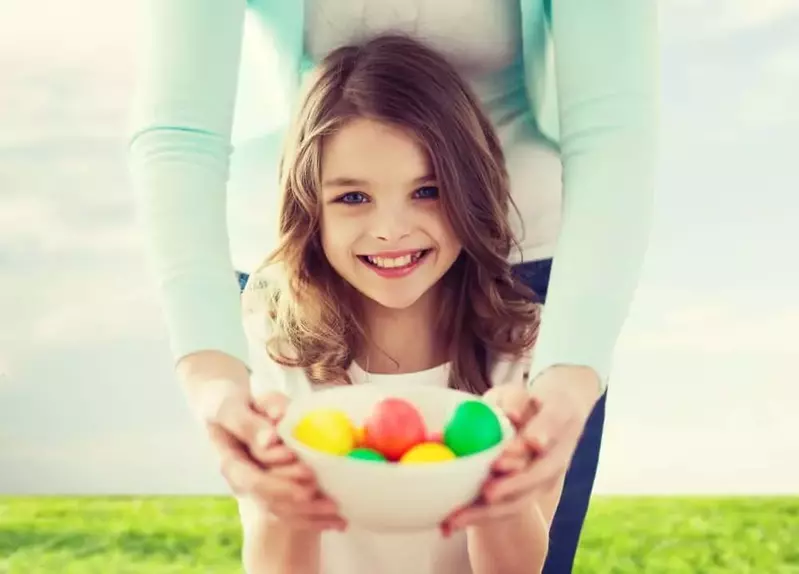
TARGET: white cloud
(114,310)
(720,330)
(77,34)
(5,372)
(735,15)
(724,322)
(678,460)
(773,90)
(703,20)
(36,225)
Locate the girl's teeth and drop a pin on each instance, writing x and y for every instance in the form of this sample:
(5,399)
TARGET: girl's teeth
(392,262)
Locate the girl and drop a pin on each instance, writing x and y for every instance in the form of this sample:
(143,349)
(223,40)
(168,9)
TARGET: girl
(392,266)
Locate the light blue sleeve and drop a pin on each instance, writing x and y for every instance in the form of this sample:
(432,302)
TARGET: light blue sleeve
(189,52)
(606,63)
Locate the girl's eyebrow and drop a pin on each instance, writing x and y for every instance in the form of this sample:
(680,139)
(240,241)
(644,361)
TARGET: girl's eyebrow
(353,182)
(426,178)
(344,182)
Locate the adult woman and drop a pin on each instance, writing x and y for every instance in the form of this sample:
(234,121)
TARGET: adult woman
(564,82)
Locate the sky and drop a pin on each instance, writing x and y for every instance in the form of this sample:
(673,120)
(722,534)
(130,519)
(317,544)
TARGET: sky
(704,395)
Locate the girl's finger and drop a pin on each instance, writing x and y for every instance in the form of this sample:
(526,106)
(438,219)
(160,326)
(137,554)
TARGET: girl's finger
(508,464)
(276,455)
(508,487)
(295,471)
(318,523)
(485,513)
(316,514)
(516,447)
(275,488)
(317,508)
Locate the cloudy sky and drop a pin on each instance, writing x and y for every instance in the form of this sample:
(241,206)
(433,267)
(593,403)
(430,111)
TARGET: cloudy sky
(705,393)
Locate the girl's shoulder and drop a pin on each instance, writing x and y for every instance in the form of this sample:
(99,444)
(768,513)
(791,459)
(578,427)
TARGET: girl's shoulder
(266,373)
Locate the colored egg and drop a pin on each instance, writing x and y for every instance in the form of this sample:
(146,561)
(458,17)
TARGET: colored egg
(427,452)
(326,430)
(393,427)
(359,436)
(473,428)
(366,454)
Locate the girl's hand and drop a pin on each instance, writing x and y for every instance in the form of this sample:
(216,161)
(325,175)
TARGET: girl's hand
(257,465)
(549,419)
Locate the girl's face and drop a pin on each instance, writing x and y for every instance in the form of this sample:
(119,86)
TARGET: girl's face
(383,228)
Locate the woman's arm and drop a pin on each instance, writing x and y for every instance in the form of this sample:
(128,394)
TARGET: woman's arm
(607,78)
(189,55)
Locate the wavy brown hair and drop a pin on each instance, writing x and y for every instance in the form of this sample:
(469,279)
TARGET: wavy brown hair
(312,311)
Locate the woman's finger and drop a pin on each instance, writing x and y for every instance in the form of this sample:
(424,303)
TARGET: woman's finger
(539,474)
(245,476)
(545,428)
(237,417)
(272,404)
(515,401)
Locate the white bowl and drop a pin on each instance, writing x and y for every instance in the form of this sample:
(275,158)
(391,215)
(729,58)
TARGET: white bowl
(392,497)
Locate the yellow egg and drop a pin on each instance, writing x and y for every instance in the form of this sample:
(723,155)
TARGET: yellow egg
(326,430)
(427,452)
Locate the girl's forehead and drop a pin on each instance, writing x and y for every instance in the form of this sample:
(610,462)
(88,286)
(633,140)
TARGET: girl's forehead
(366,150)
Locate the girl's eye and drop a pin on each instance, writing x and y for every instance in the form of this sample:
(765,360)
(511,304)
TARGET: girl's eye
(427,192)
(352,197)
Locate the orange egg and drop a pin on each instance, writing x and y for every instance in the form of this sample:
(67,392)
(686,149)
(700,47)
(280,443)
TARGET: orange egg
(359,436)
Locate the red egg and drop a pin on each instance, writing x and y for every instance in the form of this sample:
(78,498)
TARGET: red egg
(394,427)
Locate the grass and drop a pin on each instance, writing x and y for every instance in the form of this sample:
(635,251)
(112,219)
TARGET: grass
(623,535)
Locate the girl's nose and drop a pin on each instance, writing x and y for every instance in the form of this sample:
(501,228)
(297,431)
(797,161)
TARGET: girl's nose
(391,223)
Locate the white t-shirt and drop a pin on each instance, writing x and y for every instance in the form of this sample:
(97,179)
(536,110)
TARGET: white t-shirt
(356,551)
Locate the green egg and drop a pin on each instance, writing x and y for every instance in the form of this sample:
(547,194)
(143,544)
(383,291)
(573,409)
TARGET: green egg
(473,428)
(366,454)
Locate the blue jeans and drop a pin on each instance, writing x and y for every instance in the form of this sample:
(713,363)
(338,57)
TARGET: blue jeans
(570,515)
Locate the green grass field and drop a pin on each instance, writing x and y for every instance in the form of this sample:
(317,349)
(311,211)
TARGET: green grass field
(623,535)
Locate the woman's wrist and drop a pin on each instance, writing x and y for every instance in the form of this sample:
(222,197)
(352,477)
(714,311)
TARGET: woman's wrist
(581,382)
(208,378)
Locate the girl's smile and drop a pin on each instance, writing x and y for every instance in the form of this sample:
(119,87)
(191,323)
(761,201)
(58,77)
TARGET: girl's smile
(393,264)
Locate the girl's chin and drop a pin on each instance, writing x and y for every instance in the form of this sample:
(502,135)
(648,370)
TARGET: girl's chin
(398,299)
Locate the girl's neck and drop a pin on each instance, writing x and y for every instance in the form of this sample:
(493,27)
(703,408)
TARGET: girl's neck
(402,340)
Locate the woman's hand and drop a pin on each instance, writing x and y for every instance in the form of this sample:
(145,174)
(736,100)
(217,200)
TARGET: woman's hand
(257,465)
(549,419)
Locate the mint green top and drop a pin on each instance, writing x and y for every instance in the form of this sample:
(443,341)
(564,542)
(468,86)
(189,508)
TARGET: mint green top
(589,70)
